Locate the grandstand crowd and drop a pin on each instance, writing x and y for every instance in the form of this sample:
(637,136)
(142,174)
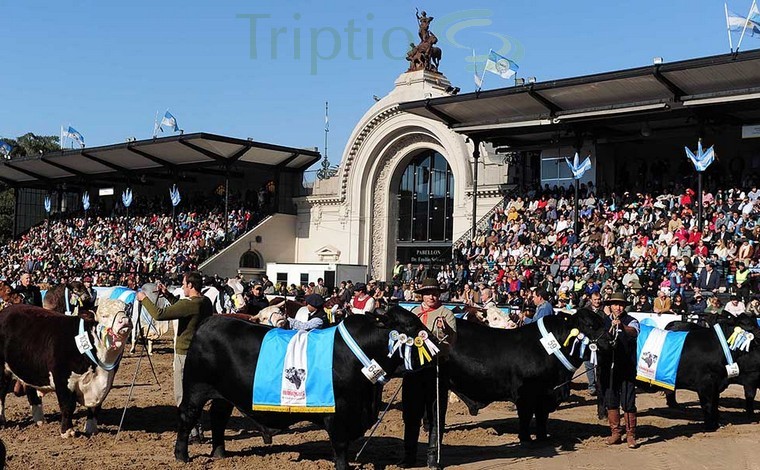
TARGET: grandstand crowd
(647,246)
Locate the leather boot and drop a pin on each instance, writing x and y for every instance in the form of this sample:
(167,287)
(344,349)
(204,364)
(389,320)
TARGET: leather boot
(630,433)
(432,451)
(613,416)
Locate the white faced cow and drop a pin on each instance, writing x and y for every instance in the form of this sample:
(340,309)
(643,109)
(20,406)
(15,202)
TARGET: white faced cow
(74,357)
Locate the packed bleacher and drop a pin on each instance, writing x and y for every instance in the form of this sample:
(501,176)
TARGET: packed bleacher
(127,248)
(644,245)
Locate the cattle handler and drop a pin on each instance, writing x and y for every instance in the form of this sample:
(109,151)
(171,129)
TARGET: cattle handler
(190,311)
(618,382)
(423,390)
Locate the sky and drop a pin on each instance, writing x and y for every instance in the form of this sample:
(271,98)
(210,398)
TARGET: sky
(264,69)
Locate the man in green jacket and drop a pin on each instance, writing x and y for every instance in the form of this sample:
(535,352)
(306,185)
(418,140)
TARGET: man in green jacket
(189,312)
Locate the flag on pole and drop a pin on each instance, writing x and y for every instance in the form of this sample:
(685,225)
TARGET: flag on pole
(73,134)
(578,168)
(48,204)
(174,195)
(86,201)
(501,66)
(754,14)
(478,79)
(5,149)
(169,121)
(126,197)
(702,159)
(736,23)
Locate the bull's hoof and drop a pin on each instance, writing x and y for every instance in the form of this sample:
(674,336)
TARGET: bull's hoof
(90,427)
(69,433)
(711,427)
(3,422)
(219,453)
(181,457)
(267,439)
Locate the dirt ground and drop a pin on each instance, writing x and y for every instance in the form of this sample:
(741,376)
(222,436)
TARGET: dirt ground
(669,438)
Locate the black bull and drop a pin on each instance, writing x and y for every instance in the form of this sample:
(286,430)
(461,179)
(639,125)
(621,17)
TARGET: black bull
(221,365)
(490,365)
(703,366)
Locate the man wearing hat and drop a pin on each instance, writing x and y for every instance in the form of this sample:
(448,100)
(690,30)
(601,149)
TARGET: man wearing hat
(620,391)
(423,392)
(311,316)
(256,300)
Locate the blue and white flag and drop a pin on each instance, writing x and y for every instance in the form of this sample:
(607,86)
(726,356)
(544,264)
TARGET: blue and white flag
(126,197)
(702,159)
(169,121)
(5,149)
(48,204)
(174,195)
(737,22)
(294,372)
(74,134)
(501,66)
(86,201)
(658,355)
(577,168)
(124,294)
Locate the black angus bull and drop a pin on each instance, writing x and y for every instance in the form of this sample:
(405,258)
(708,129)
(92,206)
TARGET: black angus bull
(703,365)
(221,365)
(489,365)
(38,348)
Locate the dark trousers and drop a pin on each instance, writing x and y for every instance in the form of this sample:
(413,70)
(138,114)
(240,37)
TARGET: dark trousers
(418,398)
(621,395)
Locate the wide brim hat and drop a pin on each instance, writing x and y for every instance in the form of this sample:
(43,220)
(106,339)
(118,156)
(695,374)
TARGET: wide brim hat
(617,298)
(429,285)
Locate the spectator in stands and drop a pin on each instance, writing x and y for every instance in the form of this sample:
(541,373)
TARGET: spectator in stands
(735,306)
(661,303)
(709,280)
(642,304)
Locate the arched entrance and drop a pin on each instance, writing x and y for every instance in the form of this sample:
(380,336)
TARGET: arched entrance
(425,195)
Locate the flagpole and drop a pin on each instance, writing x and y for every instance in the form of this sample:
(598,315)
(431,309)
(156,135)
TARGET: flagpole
(61,138)
(155,126)
(746,23)
(327,126)
(728,29)
(71,141)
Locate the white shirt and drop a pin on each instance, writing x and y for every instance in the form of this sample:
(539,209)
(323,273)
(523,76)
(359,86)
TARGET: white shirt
(303,314)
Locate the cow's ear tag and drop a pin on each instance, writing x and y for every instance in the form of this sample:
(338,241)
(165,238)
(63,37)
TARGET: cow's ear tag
(83,342)
(550,343)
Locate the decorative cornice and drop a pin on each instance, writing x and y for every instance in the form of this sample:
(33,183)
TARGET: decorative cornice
(356,145)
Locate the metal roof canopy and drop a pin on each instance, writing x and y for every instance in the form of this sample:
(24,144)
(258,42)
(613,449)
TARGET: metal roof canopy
(171,154)
(528,114)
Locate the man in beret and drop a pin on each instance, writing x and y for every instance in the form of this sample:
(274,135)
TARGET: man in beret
(419,394)
(311,316)
(620,391)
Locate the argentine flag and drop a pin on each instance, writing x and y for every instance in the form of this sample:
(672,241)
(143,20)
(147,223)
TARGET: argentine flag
(294,372)
(501,66)
(169,121)
(658,354)
(5,149)
(73,134)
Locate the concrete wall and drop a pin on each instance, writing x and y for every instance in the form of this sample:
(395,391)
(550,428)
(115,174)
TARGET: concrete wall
(278,235)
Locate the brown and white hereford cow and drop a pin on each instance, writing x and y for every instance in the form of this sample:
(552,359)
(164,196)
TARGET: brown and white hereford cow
(48,351)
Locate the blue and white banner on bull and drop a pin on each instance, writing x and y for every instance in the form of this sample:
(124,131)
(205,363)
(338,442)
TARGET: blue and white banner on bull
(294,372)
(659,353)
